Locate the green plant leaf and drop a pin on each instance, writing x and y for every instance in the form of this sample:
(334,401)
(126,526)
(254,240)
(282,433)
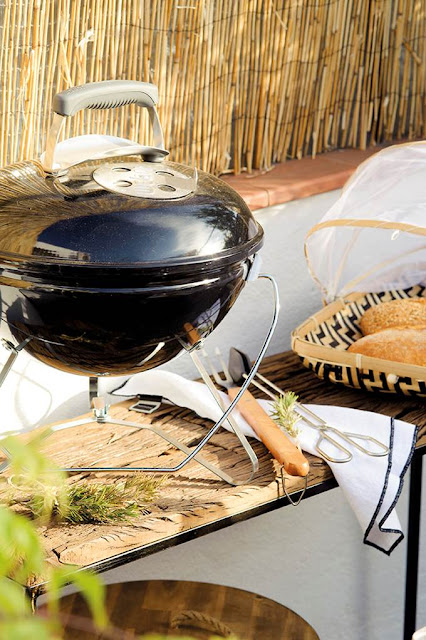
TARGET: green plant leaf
(21,550)
(90,585)
(284,413)
(33,473)
(93,590)
(31,627)
(13,601)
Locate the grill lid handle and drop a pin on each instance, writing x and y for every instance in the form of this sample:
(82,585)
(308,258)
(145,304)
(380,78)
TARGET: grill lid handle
(105,95)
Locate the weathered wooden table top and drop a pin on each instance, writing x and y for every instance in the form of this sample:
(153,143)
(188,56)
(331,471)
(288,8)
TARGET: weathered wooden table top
(193,501)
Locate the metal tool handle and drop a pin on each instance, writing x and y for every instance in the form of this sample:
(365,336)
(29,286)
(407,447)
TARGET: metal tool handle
(324,436)
(105,95)
(351,438)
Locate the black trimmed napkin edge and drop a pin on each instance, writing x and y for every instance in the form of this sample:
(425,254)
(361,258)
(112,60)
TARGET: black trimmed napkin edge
(382,529)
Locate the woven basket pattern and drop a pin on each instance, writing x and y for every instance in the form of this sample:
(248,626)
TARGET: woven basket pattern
(340,330)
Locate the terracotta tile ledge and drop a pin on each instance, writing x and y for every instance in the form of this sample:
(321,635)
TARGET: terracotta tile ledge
(297,179)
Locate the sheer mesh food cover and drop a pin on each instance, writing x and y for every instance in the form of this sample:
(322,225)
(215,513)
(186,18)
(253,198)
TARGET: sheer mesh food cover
(374,237)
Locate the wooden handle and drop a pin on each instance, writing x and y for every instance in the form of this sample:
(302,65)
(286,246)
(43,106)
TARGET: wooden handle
(281,447)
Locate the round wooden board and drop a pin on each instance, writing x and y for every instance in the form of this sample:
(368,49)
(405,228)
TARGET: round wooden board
(195,609)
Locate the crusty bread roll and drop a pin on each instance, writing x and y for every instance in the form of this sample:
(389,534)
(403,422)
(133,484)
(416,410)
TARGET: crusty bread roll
(399,345)
(408,313)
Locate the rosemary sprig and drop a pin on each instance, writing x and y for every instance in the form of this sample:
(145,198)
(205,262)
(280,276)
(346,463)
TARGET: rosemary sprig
(284,413)
(95,502)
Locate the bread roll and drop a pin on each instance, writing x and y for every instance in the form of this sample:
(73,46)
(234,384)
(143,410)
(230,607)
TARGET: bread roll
(399,345)
(408,313)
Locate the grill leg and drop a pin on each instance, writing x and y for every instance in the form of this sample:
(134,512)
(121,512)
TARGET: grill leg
(413,544)
(93,388)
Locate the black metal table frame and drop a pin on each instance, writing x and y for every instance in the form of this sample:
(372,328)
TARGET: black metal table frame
(413,543)
(413,537)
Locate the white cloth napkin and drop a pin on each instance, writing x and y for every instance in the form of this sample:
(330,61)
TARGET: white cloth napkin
(372,485)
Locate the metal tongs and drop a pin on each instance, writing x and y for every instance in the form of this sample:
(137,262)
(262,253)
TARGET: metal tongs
(238,364)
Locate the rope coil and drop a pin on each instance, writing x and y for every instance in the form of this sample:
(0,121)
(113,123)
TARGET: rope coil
(196,619)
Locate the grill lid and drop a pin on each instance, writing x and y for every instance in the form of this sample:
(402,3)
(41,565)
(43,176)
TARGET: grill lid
(97,200)
(82,219)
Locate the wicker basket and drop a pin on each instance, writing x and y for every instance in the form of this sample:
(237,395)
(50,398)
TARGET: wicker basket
(322,342)
(371,239)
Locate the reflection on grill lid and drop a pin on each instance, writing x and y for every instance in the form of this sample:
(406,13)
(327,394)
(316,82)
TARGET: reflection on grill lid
(93,215)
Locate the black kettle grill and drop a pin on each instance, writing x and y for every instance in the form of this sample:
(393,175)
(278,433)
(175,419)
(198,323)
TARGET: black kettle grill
(114,261)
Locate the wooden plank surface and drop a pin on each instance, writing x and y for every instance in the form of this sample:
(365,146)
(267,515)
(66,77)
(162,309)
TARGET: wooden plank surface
(193,497)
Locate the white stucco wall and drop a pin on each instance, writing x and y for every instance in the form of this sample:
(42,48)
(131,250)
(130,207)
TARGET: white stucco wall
(310,558)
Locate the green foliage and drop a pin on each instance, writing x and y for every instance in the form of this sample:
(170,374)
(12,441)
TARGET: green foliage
(21,550)
(87,582)
(83,502)
(21,554)
(32,471)
(13,601)
(106,503)
(28,627)
(285,415)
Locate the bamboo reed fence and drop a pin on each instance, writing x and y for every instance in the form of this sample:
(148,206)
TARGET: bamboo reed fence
(243,83)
